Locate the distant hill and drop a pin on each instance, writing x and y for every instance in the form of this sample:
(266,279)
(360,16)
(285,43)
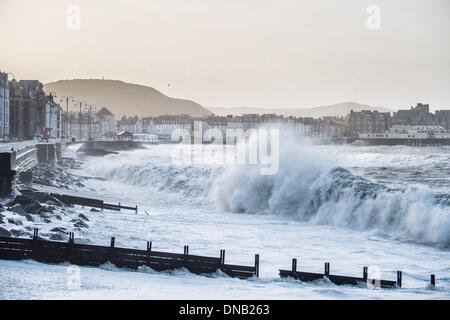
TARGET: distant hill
(124,98)
(338,110)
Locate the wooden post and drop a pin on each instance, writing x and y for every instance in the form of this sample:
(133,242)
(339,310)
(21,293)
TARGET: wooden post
(120,207)
(399,278)
(294,265)
(113,240)
(136,209)
(71,238)
(35,250)
(433,280)
(327,268)
(35,233)
(70,246)
(186,250)
(257,265)
(149,250)
(365,274)
(222,256)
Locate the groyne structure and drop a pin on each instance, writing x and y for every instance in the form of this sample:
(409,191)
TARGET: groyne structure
(94,255)
(103,147)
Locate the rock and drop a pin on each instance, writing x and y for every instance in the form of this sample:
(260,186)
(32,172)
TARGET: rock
(55,202)
(34,208)
(56,236)
(17,208)
(21,199)
(82,216)
(29,217)
(16,222)
(58,217)
(95,210)
(4,232)
(59,229)
(42,197)
(47,220)
(80,224)
(18,233)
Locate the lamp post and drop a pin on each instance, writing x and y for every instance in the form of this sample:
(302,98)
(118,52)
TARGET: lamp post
(89,120)
(80,119)
(67,113)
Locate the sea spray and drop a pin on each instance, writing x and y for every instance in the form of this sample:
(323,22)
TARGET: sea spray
(311,186)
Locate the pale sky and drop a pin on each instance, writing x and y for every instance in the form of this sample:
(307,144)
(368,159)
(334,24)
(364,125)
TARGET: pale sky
(236,53)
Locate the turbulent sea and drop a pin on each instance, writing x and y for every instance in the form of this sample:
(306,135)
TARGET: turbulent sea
(383,207)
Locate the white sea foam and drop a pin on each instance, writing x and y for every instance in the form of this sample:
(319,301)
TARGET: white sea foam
(311,186)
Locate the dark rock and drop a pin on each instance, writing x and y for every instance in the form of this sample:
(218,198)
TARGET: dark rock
(4,232)
(34,207)
(41,197)
(80,224)
(21,199)
(55,202)
(82,216)
(16,222)
(17,208)
(95,210)
(18,233)
(47,220)
(56,237)
(59,229)
(29,217)
(58,217)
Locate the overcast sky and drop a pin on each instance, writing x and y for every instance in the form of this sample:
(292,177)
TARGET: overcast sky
(234,53)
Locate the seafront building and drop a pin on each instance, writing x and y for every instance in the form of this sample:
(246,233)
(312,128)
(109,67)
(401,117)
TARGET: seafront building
(4,106)
(26,111)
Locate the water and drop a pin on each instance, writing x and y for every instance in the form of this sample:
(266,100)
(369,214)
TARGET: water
(353,206)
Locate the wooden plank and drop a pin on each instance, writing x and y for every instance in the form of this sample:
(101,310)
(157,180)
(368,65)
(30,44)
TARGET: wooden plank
(94,255)
(237,268)
(15,240)
(336,279)
(239,274)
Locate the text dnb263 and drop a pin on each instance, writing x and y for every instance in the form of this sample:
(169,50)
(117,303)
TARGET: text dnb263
(227,309)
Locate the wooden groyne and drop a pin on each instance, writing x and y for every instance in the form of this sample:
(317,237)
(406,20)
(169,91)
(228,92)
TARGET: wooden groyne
(344,280)
(94,255)
(71,199)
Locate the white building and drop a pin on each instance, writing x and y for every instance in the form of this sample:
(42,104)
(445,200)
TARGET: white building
(53,119)
(164,126)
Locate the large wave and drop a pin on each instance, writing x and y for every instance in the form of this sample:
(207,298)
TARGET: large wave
(309,187)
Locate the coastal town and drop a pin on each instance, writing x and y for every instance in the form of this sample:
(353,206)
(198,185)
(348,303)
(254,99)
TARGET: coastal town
(28,112)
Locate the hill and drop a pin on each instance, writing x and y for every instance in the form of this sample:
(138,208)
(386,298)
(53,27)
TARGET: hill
(124,98)
(338,110)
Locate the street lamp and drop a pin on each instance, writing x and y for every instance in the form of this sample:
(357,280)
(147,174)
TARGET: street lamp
(79,118)
(67,112)
(89,119)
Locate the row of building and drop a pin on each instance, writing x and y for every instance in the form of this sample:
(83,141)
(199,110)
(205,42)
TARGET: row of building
(368,122)
(26,110)
(164,126)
